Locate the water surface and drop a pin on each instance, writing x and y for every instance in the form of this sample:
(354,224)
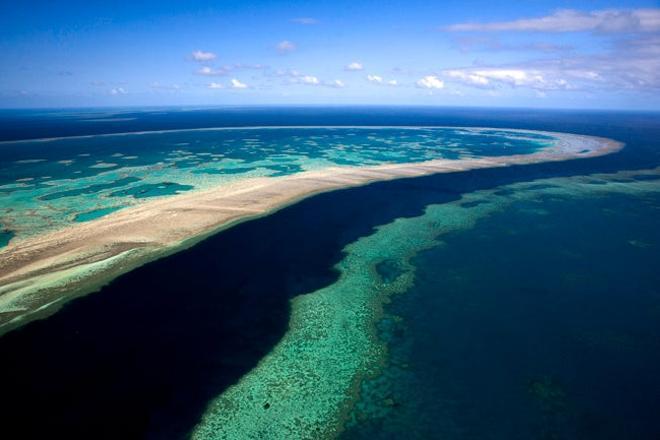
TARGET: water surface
(522,322)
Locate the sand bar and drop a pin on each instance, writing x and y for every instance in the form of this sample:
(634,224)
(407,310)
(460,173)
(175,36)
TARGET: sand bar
(39,273)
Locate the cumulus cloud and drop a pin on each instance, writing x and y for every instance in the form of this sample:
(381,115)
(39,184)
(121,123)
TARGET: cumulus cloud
(375,79)
(305,20)
(285,46)
(630,61)
(632,64)
(236,84)
(296,77)
(514,77)
(430,82)
(215,85)
(354,66)
(310,80)
(571,20)
(201,57)
(118,91)
(468,77)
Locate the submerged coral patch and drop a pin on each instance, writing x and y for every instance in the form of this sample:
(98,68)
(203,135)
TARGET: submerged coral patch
(91,189)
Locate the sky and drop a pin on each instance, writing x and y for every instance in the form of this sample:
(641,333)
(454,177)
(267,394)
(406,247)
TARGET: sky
(541,54)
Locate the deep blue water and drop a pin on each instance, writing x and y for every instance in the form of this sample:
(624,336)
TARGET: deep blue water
(5,236)
(142,357)
(533,325)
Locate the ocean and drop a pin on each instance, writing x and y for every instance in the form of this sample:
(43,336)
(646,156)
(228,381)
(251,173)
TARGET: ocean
(503,303)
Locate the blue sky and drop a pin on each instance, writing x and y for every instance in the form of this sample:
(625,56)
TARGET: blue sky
(589,54)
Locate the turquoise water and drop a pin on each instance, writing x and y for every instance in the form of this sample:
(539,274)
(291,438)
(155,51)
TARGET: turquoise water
(94,214)
(47,184)
(152,190)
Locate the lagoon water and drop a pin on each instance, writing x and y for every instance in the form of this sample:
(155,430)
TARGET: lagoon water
(503,303)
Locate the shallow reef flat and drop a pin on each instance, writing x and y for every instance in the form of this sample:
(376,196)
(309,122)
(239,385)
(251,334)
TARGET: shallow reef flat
(48,184)
(308,386)
(37,273)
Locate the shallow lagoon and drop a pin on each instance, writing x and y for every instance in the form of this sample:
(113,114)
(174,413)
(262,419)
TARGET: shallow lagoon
(45,184)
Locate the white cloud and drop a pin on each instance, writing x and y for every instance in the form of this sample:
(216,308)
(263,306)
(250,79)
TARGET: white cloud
(202,57)
(310,79)
(209,71)
(468,77)
(285,46)
(375,79)
(304,20)
(118,91)
(295,77)
(215,85)
(515,77)
(632,64)
(430,82)
(337,83)
(571,20)
(228,68)
(354,66)
(236,84)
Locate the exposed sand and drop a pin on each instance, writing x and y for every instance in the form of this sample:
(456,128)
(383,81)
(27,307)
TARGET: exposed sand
(39,273)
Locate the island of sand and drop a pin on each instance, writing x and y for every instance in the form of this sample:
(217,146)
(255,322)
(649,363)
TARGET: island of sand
(39,273)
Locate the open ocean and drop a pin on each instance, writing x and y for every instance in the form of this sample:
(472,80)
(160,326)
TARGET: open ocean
(510,303)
